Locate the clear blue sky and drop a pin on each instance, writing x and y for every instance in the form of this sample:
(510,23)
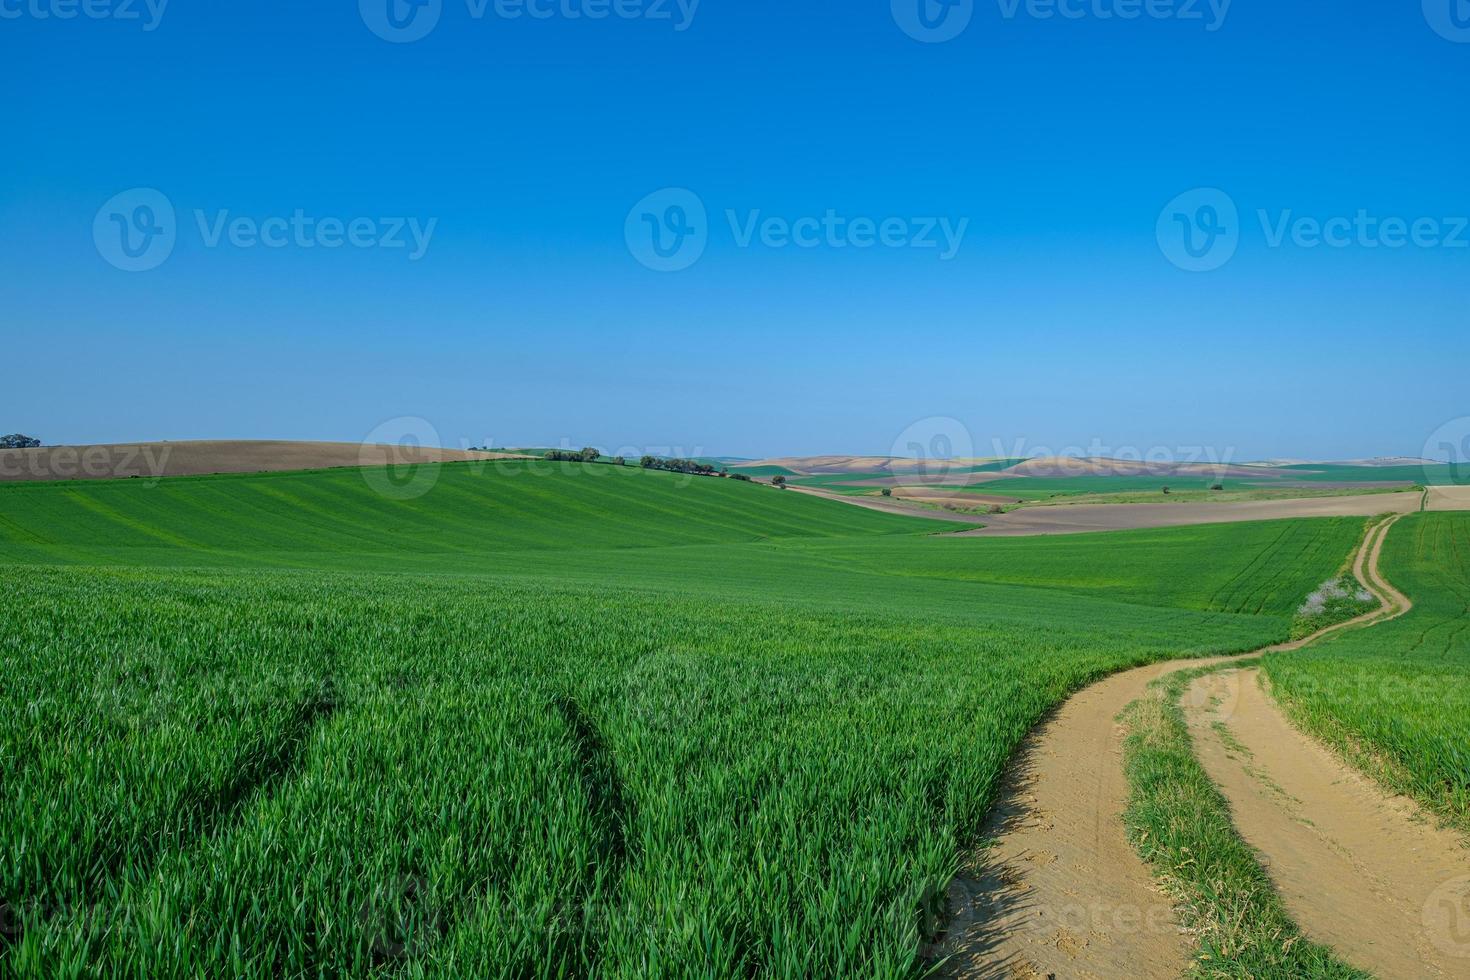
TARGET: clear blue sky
(528,320)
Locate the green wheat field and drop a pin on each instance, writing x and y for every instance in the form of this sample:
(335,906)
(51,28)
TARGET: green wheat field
(576,721)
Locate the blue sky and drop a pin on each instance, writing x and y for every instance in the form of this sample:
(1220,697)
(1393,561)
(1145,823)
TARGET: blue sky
(524,143)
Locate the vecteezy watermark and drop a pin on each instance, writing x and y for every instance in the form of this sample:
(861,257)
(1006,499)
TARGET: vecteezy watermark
(936,444)
(1450,19)
(147,13)
(1210,14)
(1448,445)
(137,230)
(670,229)
(1446,917)
(936,21)
(86,462)
(1123,460)
(1200,230)
(1217,693)
(395,458)
(406,21)
(933,21)
(1363,230)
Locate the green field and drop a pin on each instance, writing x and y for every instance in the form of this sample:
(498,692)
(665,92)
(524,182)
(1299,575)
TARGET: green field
(1396,698)
(543,720)
(1429,474)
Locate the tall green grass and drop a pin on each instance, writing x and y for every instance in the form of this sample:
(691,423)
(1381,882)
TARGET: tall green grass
(542,724)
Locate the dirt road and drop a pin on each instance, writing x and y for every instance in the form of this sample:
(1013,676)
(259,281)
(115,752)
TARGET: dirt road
(1360,870)
(1083,518)
(1061,891)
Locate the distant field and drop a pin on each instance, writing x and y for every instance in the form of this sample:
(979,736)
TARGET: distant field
(152,460)
(1329,472)
(1397,697)
(542,719)
(1040,488)
(1001,478)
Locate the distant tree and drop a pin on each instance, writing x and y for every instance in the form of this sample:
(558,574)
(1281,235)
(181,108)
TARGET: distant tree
(1218,486)
(18,441)
(590,455)
(619,461)
(647,462)
(887,491)
(779,481)
(742,477)
(1166,491)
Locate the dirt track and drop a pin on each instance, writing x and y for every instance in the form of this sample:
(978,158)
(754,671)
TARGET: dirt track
(1061,891)
(1084,518)
(197,458)
(1356,867)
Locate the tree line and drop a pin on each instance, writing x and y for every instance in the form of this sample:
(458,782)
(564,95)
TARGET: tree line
(693,467)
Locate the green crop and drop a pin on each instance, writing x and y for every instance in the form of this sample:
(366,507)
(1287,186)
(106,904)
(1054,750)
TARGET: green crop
(554,722)
(1396,698)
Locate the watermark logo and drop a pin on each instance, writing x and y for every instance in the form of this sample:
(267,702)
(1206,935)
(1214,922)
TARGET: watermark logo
(1450,19)
(401,21)
(1218,694)
(1362,230)
(668,230)
(1447,917)
(406,21)
(393,459)
(1104,457)
(147,462)
(135,231)
(1449,444)
(933,21)
(148,13)
(938,444)
(1199,230)
(1210,13)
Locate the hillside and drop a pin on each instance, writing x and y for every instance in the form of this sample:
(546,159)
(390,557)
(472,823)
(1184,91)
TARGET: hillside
(744,730)
(151,460)
(469,513)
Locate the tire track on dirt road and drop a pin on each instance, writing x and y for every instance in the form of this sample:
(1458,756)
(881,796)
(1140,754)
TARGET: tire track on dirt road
(1060,889)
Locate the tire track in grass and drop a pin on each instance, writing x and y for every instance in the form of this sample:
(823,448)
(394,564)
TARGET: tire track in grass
(609,805)
(259,771)
(606,795)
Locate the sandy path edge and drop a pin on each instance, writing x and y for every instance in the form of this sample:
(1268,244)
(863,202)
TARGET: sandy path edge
(1061,891)
(1359,869)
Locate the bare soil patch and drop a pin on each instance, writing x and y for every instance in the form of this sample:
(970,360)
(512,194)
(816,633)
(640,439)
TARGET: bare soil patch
(1083,518)
(1448,498)
(1061,466)
(195,458)
(892,505)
